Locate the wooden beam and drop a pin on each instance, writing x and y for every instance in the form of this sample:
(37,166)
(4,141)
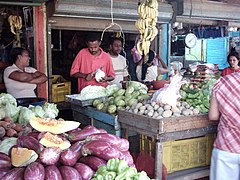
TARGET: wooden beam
(40,46)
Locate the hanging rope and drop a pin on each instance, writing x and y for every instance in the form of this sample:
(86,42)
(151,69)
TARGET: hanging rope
(115,24)
(121,31)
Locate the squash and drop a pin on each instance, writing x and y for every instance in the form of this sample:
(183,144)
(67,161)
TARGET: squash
(52,125)
(22,156)
(51,140)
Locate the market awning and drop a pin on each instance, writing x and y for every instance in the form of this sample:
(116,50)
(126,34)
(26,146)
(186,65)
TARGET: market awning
(206,10)
(123,10)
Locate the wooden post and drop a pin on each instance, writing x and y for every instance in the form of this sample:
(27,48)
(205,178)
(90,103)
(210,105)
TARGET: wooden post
(158,161)
(40,46)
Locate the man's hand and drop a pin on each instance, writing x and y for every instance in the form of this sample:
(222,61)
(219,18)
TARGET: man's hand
(89,77)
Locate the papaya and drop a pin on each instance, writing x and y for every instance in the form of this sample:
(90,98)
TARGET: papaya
(51,140)
(52,125)
(22,156)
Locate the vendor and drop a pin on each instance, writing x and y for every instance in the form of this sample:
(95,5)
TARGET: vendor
(151,70)
(20,79)
(118,61)
(89,60)
(233,61)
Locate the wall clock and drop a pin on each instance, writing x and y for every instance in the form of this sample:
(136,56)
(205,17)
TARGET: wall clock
(190,40)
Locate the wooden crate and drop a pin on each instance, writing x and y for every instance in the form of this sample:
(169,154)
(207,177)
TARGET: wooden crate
(60,89)
(152,127)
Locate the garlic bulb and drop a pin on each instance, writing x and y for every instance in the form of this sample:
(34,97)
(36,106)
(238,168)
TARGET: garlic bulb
(99,75)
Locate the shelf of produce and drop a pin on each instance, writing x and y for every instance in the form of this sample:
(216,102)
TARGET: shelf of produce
(166,129)
(88,115)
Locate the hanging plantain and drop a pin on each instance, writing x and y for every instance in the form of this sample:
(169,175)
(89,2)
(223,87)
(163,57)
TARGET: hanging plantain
(146,24)
(16,26)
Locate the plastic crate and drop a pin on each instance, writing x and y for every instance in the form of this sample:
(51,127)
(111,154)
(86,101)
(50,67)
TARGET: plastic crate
(182,154)
(60,88)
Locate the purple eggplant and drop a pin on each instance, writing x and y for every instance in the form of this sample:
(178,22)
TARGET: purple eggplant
(4,171)
(34,171)
(5,161)
(69,173)
(102,149)
(30,143)
(93,162)
(82,134)
(84,170)
(15,173)
(70,156)
(121,144)
(52,173)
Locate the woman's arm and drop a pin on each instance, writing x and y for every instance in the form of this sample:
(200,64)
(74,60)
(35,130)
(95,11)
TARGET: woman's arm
(33,78)
(21,76)
(213,112)
(38,78)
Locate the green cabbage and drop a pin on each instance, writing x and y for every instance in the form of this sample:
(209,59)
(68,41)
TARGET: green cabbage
(38,111)
(25,115)
(137,85)
(4,98)
(7,143)
(111,89)
(51,110)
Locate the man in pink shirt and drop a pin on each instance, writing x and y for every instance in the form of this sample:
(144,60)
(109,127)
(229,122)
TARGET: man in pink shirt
(88,60)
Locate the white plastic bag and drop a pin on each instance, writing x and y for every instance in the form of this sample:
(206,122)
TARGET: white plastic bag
(169,94)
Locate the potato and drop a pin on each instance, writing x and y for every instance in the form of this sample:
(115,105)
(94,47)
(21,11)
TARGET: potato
(178,103)
(167,113)
(185,112)
(156,106)
(135,111)
(176,114)
(150,107)
(159,117)
(167,107)
(142,108)
(175,109)
(150,113)
(153,103)
(155,114)
(141,112)
(195,111)
(139,105)
(160,110)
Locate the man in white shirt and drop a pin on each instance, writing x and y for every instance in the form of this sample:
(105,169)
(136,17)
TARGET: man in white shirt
(118,61)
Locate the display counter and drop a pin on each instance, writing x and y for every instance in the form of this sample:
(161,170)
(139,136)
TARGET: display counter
(88,115)
(171,129)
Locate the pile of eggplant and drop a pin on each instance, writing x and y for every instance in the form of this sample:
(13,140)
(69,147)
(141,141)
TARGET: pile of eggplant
(90,148)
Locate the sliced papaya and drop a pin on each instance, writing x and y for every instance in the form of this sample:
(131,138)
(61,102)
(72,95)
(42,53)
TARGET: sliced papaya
(22,156)
(52,125)
(51,140)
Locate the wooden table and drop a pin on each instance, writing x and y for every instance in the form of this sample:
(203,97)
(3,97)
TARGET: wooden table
(165,130)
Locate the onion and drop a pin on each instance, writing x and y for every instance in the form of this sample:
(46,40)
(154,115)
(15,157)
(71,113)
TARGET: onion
(50,155)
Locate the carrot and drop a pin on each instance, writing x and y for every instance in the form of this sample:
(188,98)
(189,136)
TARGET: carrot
(8,119)
(2,132)
(11,132)
(17,127)
(5,124)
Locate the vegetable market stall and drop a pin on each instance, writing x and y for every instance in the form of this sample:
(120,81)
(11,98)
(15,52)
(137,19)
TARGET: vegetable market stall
(88,115)
(170,130)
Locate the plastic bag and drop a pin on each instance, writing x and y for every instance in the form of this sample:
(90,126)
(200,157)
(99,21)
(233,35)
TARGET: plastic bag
(169,94)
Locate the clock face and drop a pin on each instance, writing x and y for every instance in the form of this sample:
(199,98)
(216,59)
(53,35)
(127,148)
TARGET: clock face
(190,40)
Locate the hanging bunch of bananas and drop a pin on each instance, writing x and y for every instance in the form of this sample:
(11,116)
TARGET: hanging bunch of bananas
(16,26)
(146,24)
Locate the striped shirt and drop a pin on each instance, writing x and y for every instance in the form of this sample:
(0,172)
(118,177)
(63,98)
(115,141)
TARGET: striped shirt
(227,92)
